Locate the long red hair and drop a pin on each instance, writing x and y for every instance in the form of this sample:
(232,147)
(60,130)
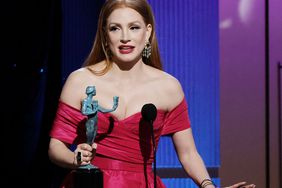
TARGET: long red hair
(99,51)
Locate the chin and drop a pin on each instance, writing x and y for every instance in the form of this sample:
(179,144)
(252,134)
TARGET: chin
(128,59)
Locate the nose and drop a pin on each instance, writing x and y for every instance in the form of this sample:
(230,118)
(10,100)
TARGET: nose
(124,40)
(125,37)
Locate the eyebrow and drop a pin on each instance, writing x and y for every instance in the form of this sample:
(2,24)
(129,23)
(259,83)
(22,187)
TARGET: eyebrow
(130,23)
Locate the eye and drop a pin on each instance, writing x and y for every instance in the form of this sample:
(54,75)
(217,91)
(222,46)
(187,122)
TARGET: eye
(113,28)
(134,27)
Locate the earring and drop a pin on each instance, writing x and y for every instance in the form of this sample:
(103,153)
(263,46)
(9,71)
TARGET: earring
(147,51)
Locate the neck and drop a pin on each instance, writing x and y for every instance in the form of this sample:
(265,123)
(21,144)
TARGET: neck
(127,72)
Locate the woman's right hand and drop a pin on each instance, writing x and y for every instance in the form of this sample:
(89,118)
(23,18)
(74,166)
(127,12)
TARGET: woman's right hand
(84,153)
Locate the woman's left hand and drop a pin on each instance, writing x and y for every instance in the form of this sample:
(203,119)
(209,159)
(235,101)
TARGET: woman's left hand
(242,185)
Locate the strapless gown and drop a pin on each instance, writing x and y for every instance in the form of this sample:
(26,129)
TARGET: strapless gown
(124,147)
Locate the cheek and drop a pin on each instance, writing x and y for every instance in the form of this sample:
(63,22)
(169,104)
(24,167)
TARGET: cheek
(113,49)
(143,37)
(113,42)
(113,39)
(141,40)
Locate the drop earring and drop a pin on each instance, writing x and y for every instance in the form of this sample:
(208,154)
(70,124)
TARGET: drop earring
(147,51)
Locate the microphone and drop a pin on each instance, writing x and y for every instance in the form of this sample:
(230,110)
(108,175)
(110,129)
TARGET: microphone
(149,113)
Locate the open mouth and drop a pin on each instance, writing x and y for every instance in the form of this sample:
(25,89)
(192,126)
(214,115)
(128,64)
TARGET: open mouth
(125,49)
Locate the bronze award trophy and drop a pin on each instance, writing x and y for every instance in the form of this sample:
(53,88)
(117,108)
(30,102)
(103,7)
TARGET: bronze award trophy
(90,176)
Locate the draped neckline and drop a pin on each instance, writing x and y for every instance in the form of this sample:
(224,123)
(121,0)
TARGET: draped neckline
(109,114)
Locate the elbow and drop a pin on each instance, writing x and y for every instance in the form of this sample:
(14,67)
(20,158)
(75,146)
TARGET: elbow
(51,152)
(53,147)
(187,156)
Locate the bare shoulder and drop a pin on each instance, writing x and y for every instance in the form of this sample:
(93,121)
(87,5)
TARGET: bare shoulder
(74,88)
(173,89)
(172,83)
(170,87)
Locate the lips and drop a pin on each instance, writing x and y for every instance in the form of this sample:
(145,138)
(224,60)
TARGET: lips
(125,49)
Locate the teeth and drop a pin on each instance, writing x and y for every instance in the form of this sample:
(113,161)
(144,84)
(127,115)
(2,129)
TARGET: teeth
(125,48)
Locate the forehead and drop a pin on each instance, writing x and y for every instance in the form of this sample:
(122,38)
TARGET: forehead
(124,15)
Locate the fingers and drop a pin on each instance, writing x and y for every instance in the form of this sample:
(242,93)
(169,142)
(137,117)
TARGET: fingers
(248,186)
(94,146)
(84,147)
(84,153)
(237,185)
(78,156)
(82,159)
(242,185)
(77,161)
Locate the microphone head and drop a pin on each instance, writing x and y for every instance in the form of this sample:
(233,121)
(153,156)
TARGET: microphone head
(149,112)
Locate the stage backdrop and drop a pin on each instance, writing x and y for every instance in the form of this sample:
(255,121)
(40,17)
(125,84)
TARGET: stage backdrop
(187,32)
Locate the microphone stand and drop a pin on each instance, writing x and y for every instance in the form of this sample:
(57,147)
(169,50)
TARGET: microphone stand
(154,150)
(149,113)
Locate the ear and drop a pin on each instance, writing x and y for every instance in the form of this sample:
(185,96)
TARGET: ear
(148,32)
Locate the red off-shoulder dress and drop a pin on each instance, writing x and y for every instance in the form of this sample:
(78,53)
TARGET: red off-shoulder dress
(124,149)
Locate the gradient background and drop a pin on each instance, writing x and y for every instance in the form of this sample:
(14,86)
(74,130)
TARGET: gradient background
(224,53)
(250,109)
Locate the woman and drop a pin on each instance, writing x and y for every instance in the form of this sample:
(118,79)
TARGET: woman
(125,62)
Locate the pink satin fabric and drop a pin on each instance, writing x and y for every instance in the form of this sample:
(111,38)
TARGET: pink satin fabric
(124,148)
